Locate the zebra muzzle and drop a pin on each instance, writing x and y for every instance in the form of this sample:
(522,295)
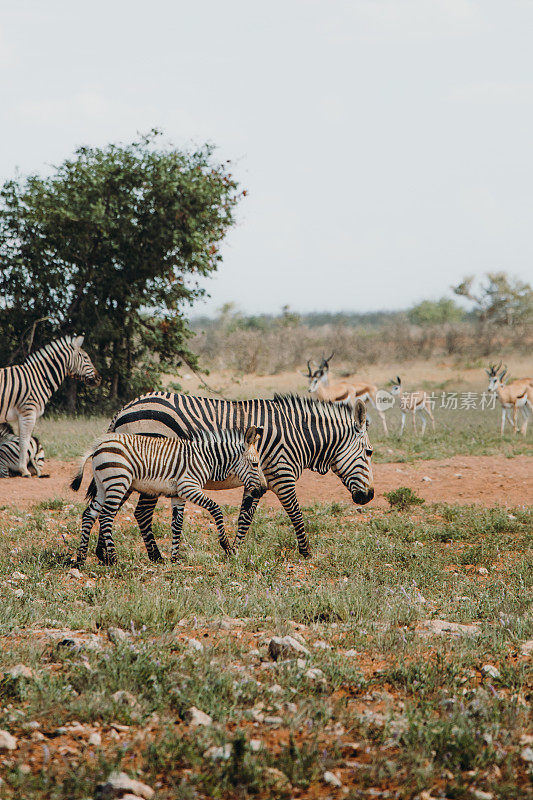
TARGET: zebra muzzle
(363,497)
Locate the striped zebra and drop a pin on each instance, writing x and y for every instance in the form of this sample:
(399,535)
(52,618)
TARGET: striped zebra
(26,388)
(176,468)
(9,452)
(299,433)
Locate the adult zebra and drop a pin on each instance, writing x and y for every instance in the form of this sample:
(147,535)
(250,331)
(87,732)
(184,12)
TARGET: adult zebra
(298,433)
(26,388)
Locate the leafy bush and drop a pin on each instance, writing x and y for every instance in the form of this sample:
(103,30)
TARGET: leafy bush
(403,498)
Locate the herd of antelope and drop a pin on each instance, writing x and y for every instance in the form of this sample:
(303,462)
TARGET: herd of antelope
(514,396)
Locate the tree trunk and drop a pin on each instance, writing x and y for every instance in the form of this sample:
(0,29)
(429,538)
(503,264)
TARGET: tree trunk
(72,393)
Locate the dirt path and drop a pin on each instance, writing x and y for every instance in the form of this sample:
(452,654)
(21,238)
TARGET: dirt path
(487,480)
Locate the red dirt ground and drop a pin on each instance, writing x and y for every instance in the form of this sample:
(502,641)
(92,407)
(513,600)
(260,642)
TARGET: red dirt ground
(487,480)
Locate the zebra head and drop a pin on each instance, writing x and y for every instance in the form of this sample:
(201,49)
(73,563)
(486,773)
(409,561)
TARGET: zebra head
(80,365)
(247,466)
(352,459)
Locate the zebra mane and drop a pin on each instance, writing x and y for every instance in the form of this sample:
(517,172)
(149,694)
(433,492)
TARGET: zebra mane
(297,402)
(233,435)
(48,349)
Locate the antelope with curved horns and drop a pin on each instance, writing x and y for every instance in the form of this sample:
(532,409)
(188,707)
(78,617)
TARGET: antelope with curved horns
(343,392)
(517,394)
(412,403)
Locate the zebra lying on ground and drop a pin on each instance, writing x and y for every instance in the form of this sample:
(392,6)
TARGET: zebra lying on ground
(176,468)
(299,433)
(9,452)
(26,388)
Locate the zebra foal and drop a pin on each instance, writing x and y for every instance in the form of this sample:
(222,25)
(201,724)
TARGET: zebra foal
(9,452)
(26,388)
(176,468)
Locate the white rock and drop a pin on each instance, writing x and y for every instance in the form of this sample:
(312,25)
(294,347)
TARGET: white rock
(20,671)
(527,755)
(527,648)
(442,627)
(196,717)
(18,592)
(314,674)
(7,742)
(285,647)
(124,698)
(194,644)
(482,571)
(479,794)
(491,670)
(75,573)
(331,778)
(117,635)
(255,745)
(273,721)
(219,753)
(95,739)
(275,689)
(19,576)
(427,479)
(118,783)
(350,653)
(321,645)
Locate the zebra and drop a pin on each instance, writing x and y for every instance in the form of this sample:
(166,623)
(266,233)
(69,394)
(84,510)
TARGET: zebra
(9,452)
(26,388)
(176,468)
(299,433)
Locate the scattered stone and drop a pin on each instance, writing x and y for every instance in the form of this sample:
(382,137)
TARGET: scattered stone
(331,778)
(194,644)
(20,671)
(321,645)
(255,745)
(526,754)
(482,571)
(291,708)
(314,674)
(527,648)
(526,739)
(277,780)
(118,783)
(491,671)
(286,647)
(7,741)
(481,795)
(124,698)
(219,753)
(95,739)
(117,635)
(196,717)
(273,721)
(441,627)
(427,479)
(19,576)
(18,592)
(275,689)
(350,653)
(75,573)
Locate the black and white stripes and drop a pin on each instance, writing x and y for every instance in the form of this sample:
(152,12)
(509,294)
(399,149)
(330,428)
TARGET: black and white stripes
(9,453)
(176,468)
(26,388)
(299,433)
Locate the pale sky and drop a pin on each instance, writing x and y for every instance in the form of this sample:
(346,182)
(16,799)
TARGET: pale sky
(386,145)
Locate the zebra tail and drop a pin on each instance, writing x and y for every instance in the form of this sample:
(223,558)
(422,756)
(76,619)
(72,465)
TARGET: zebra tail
(78,477)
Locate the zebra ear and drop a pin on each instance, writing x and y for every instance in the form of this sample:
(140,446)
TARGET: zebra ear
(249,436)
(360,413)
(77,341)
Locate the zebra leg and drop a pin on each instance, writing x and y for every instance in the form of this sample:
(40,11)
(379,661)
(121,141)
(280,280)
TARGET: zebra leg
(26,425)
(195,495)
(144,514)
(107,516)
(101,552)
(178,506)
(246,515)
(88,518)
(287,497)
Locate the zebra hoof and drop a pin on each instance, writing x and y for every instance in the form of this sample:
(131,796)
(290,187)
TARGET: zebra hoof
(305,553)
(156,557)
(101,555)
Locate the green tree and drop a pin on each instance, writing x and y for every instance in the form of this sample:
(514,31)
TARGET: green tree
(500,300)
(112,243)
(435,312)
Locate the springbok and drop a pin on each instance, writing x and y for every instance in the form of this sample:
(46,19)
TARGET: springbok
(345,392)
(517,394)
(412,403)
